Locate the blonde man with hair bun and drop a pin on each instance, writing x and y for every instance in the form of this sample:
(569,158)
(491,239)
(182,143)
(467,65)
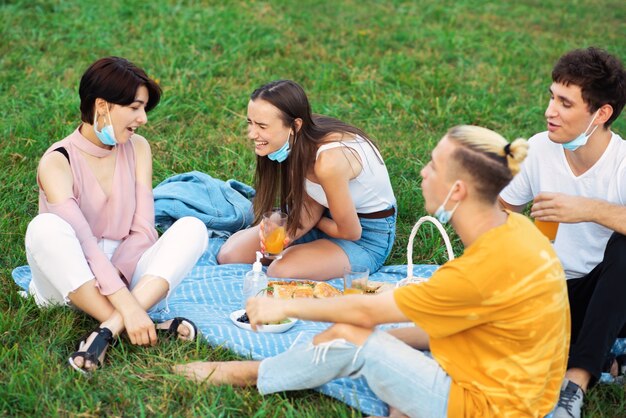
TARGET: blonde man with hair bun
(489,157)
(486,140)
(495,319)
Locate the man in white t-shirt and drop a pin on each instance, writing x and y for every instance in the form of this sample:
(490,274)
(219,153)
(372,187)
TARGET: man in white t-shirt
(575,174)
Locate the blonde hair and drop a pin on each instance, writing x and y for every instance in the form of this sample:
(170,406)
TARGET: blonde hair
(486,156)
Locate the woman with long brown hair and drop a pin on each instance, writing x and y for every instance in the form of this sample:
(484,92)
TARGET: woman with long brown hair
(330,179)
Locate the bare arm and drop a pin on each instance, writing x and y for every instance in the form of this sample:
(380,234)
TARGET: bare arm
(361,310)
(559,207)
(512,208)
(55,177)
(143,161)
(335,168)
(310,217)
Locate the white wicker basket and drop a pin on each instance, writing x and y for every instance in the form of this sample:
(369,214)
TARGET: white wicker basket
(409,250)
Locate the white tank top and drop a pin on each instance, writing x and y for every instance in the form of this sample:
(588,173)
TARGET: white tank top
(371,190)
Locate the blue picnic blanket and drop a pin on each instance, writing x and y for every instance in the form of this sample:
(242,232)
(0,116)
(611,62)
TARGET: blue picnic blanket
(211,292)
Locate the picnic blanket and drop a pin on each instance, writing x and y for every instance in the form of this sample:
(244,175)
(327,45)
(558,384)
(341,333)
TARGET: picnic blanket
(211,292)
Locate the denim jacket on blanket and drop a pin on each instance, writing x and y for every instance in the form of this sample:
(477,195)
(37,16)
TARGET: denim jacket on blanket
(223,206)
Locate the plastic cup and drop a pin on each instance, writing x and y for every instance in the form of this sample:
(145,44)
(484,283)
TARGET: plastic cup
(548,229)
(355,280)
(274,234)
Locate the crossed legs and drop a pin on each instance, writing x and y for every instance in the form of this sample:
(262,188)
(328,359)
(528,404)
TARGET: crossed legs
(88,299)
(61,274)
(399,375)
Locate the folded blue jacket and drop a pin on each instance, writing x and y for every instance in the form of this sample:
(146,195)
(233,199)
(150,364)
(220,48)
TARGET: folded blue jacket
(223,206)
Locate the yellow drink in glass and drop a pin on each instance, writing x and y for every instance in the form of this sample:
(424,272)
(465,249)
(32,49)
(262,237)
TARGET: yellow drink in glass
(548,229)
(274,226)
(353,291)
(355,280)
(275,241)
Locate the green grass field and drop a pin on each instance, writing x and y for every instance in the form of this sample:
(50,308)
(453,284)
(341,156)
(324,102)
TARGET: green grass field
(403,71)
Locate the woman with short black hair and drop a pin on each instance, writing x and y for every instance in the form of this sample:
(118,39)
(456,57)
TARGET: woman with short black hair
(93,244)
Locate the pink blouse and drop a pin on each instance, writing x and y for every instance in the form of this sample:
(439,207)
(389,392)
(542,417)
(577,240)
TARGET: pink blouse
(127,215)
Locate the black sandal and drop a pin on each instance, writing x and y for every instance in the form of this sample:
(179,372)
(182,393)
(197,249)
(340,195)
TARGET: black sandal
(100,343)
(172,330)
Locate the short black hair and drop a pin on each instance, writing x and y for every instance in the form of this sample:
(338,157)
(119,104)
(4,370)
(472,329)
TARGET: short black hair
(600,76)
(115,80)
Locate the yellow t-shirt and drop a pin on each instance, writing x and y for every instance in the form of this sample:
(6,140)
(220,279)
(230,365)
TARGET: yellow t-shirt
(498,321)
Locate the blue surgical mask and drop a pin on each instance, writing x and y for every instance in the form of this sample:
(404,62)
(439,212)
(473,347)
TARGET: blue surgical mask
(581,139)
(282,153)
(107,134)
(441,213)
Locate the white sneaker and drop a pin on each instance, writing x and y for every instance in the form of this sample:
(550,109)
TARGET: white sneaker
(570,401)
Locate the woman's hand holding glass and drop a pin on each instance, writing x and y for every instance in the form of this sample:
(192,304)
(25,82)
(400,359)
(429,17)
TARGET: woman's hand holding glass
(273,234)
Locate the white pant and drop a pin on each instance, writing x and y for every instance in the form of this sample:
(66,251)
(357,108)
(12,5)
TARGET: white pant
(59,266)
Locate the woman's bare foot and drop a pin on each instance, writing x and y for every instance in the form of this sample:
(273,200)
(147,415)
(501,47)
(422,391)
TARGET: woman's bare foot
(236,373)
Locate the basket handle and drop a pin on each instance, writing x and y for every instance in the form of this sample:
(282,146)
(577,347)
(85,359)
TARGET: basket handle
(409,249)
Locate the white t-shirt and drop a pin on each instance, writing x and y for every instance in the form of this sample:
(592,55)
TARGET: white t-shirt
(580,246)
(371,190)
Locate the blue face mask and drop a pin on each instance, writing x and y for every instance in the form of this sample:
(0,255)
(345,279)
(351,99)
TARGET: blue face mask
(282,153)
(107,134)
(441,213)
(581,139)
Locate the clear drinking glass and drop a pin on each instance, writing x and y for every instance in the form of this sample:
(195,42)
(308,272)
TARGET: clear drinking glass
(274,224)
(355,279)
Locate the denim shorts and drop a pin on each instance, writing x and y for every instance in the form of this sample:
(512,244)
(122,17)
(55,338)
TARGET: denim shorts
(371,250)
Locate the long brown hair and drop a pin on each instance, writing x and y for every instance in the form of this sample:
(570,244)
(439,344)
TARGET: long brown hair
(285,181)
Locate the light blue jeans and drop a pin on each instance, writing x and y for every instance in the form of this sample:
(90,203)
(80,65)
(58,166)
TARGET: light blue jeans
(399,375)
(371,250)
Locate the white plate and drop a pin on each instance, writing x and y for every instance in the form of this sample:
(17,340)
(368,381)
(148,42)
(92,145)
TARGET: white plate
(261,328)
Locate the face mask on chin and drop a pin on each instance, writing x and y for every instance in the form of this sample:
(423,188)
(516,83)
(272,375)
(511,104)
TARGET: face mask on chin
(581,139)
(282,153)
(441,213)
(107,134)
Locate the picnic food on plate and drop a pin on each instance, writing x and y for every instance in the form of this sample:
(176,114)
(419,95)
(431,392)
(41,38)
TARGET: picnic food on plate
(300,289)
(244,319)
(324,290)
(378,287)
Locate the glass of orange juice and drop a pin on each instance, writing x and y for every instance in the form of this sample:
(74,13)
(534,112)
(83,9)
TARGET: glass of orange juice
(548,229)
(274,234)
(355,280)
